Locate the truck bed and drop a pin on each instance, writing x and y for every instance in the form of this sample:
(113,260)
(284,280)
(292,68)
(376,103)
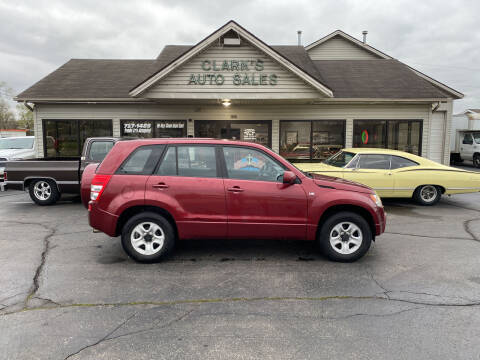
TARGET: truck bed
(65,172)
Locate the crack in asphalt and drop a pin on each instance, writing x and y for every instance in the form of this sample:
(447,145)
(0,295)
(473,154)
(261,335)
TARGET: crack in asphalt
(466,227)
(108,337)
(470,303)
(372,315)
(36,278)
(103,338)
(430,237)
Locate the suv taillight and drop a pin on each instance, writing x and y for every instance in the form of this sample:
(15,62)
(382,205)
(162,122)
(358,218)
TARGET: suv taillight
(99,183)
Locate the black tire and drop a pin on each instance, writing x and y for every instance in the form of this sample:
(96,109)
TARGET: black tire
(333,252)
(476,160)
(49,197)
(160,252)
(427,195)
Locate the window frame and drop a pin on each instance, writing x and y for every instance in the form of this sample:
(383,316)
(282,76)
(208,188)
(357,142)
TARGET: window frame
(311,122)
(77,126)
(386,129)
(176,145)
(224,162)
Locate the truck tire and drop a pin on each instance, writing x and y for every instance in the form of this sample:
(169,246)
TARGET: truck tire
(476,160)
(345,237)
(148,237)
(427,195)
(44,192)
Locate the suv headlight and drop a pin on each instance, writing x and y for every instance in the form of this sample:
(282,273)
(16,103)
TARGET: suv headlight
(376,199)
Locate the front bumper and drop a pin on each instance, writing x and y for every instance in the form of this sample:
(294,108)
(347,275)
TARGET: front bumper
(381,222)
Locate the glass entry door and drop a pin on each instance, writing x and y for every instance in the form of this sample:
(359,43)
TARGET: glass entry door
(245,130)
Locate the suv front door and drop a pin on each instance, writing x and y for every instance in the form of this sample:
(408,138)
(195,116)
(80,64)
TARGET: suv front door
(188,183)
(259,205)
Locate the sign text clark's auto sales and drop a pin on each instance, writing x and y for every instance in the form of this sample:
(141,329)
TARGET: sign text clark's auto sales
(245,72)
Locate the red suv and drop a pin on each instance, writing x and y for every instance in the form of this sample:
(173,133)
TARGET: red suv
(154,192)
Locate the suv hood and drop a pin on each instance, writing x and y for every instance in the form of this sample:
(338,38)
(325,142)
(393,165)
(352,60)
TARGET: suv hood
(340,184)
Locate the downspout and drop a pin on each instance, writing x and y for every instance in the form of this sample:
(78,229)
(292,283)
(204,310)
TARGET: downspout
(29,107)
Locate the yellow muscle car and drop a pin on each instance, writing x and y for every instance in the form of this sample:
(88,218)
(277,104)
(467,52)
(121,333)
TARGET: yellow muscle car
(393,173)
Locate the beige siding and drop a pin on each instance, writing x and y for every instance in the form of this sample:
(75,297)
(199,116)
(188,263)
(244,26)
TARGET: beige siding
(437,136)
(238,112)
(337,48)
(349,133)
(176,84)
(276,135)
(116,127)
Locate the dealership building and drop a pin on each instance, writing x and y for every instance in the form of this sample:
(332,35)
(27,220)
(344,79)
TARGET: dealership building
(303,102)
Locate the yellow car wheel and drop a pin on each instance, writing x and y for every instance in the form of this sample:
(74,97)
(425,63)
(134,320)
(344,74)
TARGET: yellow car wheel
(427,195)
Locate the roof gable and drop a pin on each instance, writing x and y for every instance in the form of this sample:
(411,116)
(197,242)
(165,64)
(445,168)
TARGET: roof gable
(340,39)
(206,43)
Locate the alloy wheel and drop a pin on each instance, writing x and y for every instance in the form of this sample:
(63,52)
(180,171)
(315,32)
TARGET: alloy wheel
(147,238)
(346,238)
(42,190)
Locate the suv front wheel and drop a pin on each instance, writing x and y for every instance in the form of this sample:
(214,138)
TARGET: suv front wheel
(148,237)
(345,237)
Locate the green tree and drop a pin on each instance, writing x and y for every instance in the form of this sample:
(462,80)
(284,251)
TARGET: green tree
(7,115)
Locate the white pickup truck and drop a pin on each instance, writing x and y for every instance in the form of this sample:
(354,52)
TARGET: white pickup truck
(465,138)
(15,148)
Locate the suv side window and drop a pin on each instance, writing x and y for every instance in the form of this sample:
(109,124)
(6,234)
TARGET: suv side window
(99,149)
(250,164)
(189,161)
(374,161)
(142,160)
(401,162)
(467,139)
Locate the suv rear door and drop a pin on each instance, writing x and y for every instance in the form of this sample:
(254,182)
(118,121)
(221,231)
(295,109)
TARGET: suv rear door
(189,184)
(259,205)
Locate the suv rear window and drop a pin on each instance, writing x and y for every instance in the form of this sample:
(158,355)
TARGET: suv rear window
(142,161)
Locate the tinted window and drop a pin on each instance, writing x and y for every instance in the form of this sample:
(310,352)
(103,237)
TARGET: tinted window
(100,149)
(16,143)
(250,164)
(372,161)
(168,167)
(142,160)
(400,162)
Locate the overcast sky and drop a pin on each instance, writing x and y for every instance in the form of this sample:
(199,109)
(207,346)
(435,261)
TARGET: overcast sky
(439,38)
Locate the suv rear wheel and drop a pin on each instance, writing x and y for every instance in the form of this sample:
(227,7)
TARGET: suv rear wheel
(44,191)
(148,237)
(345,237)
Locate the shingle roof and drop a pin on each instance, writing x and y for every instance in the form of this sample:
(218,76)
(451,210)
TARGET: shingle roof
(380,78)
(113,79)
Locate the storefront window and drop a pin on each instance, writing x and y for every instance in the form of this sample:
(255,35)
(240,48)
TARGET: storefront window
(403,135)
(250,131)
(65,138)
(311,140)
(154,128)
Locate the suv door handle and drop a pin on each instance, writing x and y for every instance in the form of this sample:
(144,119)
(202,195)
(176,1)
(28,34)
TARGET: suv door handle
(235,189)
(160,186)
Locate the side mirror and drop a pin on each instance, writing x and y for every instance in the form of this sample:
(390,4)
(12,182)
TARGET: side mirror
(289,177)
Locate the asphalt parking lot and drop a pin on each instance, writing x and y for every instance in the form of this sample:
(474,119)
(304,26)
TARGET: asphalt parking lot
(66,292)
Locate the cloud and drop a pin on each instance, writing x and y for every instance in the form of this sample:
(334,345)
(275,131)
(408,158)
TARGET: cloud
(438,38)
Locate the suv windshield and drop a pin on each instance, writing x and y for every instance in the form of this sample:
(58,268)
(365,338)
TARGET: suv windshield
(16,143)
(340,159)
